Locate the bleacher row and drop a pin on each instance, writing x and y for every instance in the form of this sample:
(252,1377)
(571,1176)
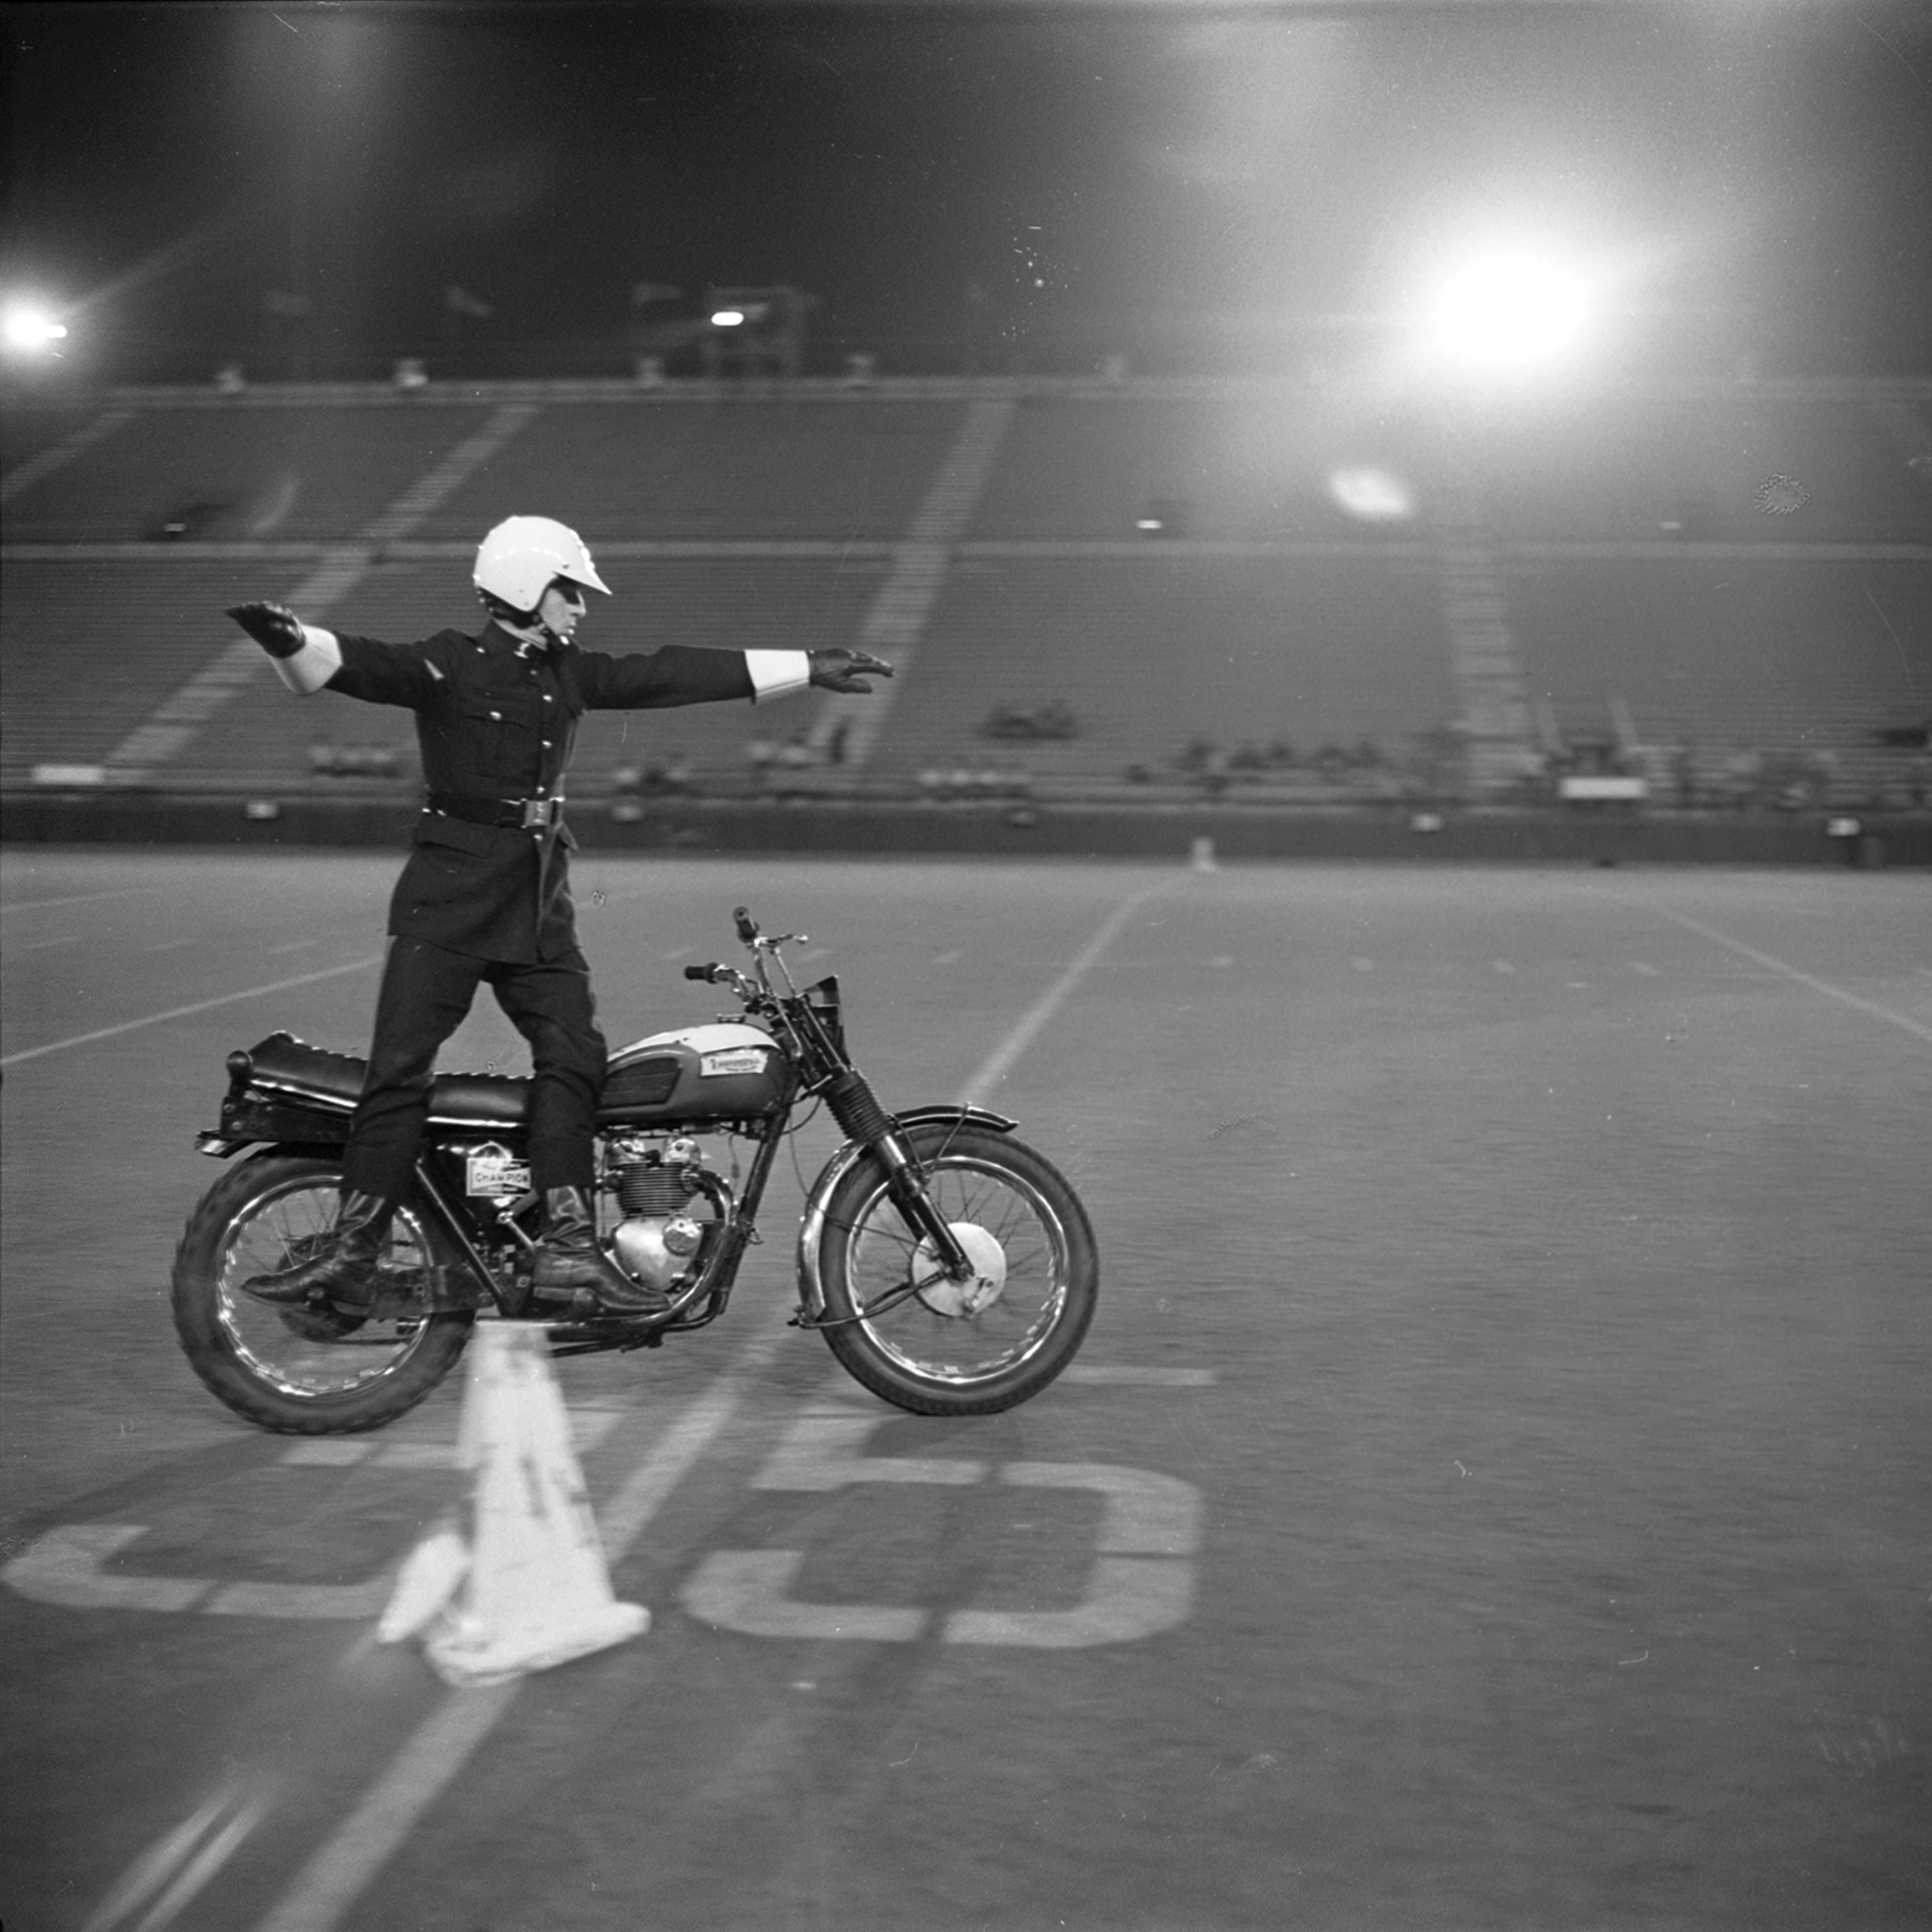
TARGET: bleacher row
(1689,583)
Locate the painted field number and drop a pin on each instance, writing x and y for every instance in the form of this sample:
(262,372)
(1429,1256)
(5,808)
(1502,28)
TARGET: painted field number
(1142,1581)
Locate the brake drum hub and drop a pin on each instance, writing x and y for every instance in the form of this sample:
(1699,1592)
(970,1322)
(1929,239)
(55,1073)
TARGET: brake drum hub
(973,1295)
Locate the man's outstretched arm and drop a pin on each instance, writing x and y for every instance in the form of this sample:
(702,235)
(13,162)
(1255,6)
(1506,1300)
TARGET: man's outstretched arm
(305,657)
(775,672)
(677,674)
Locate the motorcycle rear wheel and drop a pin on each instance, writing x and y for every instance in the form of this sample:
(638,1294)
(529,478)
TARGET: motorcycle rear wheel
(925,1351)
(300,1371)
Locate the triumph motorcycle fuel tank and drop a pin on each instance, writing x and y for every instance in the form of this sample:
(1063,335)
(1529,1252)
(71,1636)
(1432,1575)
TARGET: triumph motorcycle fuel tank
(724,1071)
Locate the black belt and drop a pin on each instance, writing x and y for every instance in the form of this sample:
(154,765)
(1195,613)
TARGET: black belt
(517,814)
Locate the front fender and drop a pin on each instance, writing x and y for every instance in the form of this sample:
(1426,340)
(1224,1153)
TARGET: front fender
(811,1221)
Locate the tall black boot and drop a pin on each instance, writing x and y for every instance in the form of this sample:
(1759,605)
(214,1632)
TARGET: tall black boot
(343,1269)
(569,1262)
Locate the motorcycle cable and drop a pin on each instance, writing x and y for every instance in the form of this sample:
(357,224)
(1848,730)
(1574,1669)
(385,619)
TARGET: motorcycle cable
(886,1303)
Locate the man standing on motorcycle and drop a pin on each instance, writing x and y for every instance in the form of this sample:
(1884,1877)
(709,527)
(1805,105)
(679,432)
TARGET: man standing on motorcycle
(485,895)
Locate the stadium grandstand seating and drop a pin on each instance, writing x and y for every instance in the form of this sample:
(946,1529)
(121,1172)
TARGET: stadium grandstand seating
(766,471)
(1160,568)
(289,475)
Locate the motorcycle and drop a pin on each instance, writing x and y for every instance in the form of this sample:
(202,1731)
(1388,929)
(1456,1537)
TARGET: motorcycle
(950,1267)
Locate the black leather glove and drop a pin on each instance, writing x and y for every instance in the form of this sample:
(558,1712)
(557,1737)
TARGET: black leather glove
(838,669)
(274,626)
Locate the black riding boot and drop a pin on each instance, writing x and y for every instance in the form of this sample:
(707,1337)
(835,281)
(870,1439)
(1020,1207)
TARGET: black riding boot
(569,1262)
(343,1269)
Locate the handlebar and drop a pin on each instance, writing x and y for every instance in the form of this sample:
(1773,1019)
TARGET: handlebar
(714,973)
(747,925)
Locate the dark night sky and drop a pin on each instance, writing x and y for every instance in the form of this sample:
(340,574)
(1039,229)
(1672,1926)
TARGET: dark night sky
(1194,182)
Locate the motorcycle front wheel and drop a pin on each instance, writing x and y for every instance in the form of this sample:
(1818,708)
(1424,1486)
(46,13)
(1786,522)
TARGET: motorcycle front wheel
(941,1348)
(303,1371)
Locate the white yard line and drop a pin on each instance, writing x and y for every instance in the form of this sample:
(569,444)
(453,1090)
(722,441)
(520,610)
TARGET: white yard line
(182,1012)
(336,1876)
(1791,972)
(975,1092)
(12,905)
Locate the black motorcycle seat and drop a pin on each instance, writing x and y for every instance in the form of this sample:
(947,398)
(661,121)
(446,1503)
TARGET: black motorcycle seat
(283,1064)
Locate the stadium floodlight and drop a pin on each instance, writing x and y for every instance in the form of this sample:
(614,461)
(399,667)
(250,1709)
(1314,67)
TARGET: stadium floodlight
(30,330)
(1510,309)
(728,319)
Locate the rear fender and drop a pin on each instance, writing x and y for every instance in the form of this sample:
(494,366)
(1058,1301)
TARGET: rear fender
(811,1222)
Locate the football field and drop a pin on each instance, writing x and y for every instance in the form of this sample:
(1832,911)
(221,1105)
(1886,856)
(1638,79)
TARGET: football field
(1495,1490)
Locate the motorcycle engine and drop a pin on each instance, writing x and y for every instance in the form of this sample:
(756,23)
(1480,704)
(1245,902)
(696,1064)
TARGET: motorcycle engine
(656,1238)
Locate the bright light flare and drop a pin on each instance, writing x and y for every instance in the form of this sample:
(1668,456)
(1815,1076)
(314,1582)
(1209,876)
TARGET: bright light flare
(1507,309)
(30,329)
(1374,495)
(727,318)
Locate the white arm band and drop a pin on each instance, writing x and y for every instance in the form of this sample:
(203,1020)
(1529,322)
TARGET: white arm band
(314,664)
(775,672)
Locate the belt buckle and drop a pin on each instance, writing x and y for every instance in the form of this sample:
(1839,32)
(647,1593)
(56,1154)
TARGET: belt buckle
(539,814)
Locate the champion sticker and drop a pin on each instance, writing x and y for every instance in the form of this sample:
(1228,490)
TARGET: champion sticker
(732,1059)
(495,1171)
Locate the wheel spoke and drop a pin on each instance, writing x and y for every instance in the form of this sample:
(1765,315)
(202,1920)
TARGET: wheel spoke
(302,1352)
(963,1349)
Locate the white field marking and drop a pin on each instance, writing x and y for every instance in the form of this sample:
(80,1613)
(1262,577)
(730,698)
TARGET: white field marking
(336,1875)
(178,1865)
(333,1878)
(67,1565)
(1790,972)
(294,945)
(64,1567)
(332,1881)
(975,1092)
(42,945)
(72,899)
(1140,1582)
(1127,1376)
(1128,1597)
(182,1012)
(1648,972)
(589,1427)
(821,1450)
(749,1591)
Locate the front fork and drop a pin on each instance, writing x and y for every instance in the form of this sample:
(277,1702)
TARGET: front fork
(857,1109)
(912,1203)
(905,1188)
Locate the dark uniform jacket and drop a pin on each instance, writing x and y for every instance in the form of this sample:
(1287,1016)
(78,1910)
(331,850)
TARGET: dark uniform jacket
(496,719)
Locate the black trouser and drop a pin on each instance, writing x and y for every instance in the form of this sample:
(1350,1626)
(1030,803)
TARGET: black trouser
(425,993)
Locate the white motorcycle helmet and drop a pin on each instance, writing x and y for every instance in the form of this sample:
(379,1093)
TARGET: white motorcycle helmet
(523,556)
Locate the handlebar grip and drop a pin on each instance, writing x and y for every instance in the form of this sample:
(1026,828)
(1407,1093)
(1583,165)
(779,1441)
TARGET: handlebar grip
(747,926)
(712,972)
